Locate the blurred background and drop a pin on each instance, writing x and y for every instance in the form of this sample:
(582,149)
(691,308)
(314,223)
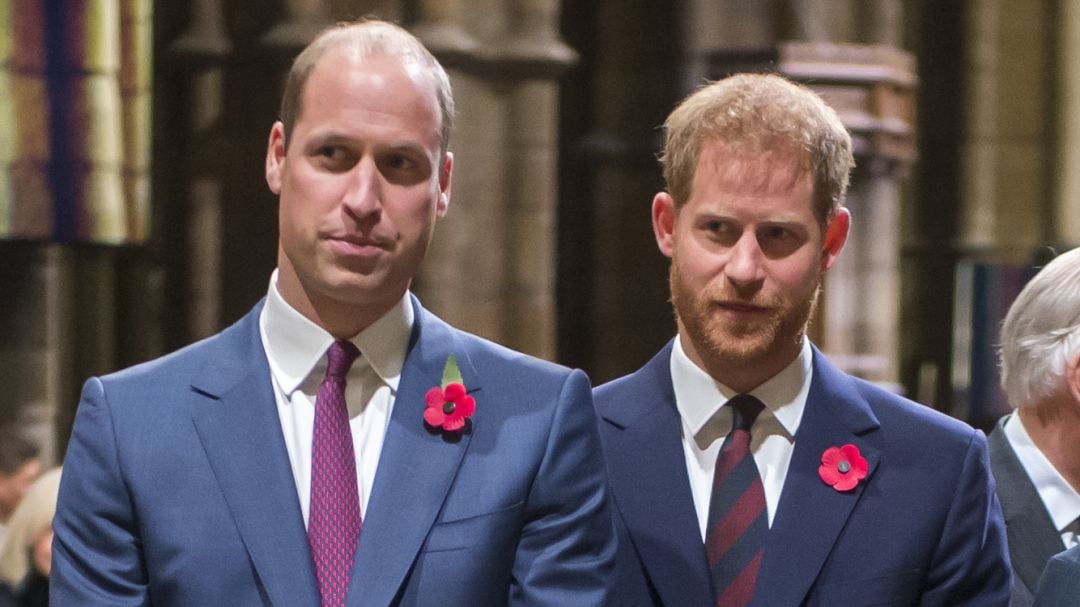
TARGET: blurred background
(134,218)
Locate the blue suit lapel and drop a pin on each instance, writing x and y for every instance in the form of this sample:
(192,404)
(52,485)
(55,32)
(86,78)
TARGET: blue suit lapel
(416,466)
(811,515)
(648,475)
(236,420)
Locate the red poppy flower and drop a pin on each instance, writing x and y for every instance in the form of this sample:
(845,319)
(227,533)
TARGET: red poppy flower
(842,467)
(448,407)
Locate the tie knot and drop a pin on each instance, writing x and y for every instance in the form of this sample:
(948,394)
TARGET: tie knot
(744,410)
(339,358)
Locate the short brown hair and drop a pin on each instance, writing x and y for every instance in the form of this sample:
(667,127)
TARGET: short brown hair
(370,37)
(752,113)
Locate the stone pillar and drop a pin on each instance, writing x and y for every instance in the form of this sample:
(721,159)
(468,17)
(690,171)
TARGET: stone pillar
(1065,221)
(533,49)
(1006,182)
(613,284)
(265,44)
(823,20)
(29,334)
(197,56)
(491,268)
(303,19)
(136,100)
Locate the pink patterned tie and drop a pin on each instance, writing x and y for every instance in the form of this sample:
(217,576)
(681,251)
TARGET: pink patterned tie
(334,518)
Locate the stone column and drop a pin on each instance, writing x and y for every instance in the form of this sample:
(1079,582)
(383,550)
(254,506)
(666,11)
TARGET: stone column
(303,19)
(1065,221)
(1006,182)
(136,100)
(491,268)
(198,56)
(823,20)
(534,51)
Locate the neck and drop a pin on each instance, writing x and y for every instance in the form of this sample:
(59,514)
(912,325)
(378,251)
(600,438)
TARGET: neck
(343,320)
(1054,426)
(342,312)
(739,373)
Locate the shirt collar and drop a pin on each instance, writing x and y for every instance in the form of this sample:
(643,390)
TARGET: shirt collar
(698,396)
(295,345)
(1061,500)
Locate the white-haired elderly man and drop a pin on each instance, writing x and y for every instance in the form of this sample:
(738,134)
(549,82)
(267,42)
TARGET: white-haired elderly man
(1035,452)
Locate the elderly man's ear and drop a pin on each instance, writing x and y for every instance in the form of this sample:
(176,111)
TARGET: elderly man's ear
(1072,376)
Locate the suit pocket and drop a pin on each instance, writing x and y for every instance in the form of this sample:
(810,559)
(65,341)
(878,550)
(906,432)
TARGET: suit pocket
(485,528)
(893,589)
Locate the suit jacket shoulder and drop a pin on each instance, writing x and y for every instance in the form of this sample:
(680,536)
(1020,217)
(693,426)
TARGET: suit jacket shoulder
(1033,538)
(1059,585)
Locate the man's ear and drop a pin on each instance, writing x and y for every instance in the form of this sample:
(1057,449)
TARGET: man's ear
(1072,376)
(663,222)
(275,157)
(446,172)
(836,234)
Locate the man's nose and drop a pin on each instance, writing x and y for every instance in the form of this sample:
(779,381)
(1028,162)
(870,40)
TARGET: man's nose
(363,195)
(744,264)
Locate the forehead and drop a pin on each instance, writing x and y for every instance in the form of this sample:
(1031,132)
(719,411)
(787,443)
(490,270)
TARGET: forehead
(762,171)
(348,82)
(780,177)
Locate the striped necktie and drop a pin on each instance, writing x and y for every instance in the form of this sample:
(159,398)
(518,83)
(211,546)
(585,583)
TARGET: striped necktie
(738,524)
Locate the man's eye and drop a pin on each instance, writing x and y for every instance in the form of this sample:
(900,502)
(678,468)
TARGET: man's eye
(720,231)
(778,242)
(777,233)
(400,163)
(403,169)
(333,158)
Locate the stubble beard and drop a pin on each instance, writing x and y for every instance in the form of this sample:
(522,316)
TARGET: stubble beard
(729,346)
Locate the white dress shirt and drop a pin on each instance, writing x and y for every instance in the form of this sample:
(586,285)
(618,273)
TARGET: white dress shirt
(1059,497)
(706,422)
(296,350)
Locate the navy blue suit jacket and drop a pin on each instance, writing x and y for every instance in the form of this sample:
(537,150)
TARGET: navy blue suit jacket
(1059,585)
(177,488)
(924,527)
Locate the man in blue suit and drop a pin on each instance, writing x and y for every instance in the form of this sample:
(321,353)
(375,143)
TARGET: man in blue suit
(745,468)
(340,445)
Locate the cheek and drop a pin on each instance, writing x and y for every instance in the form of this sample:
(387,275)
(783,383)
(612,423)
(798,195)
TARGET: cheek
(697,264)
(412,211)
(798,274)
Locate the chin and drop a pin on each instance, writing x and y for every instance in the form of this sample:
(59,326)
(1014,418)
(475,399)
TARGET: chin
(739,352)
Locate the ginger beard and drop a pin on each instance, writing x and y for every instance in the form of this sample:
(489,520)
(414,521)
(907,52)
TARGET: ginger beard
(725,344)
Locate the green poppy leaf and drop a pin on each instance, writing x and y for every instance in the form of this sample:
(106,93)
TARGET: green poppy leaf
(451,373)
